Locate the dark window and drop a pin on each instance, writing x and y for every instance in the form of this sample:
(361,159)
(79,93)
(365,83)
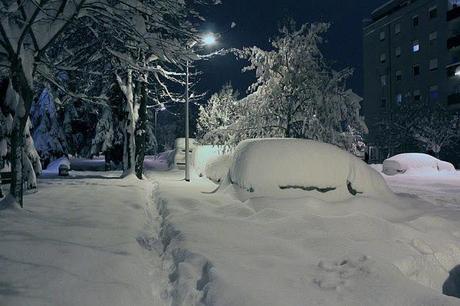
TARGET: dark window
(417,96)
(433,12)
(415,21)
(398,75)
(416,69)
(383,102)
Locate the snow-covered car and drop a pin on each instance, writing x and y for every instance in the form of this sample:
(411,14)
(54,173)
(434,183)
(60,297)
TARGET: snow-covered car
(290,168)
(415,163)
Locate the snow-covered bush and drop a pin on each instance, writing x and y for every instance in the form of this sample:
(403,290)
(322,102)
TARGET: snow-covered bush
(204,154)
(216,118)
(296,168)
(53,167)
(217,169)
(415,163)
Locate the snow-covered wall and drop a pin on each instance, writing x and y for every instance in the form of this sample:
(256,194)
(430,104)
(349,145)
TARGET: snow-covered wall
(297,168)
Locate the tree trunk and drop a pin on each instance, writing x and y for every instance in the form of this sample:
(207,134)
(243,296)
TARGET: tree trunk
(129,146)
(22,87)
(141,130)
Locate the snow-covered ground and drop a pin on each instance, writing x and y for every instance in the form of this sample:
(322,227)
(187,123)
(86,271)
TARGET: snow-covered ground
(80,241)
(305,251)
(94,239)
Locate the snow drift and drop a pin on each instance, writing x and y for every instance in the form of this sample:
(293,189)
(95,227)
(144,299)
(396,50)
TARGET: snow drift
(203,154)
(296,168)
(53,167)
(415,163)
(217,169)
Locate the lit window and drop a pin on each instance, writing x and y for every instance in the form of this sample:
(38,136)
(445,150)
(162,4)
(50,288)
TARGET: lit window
(382,35)
(397,28)
(399,99)
(398,51)
(383,80)
(434,92)
(415,46)
(433,64)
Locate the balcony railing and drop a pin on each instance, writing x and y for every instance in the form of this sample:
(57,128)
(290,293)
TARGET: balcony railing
(453,42)
(453,13)
(453,99)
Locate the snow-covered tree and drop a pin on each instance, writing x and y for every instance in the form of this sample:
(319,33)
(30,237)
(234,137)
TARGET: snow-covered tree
(431,125)
(48,135)
(104,135)
(27,29)
(296,94)
(30,158)
(217,116)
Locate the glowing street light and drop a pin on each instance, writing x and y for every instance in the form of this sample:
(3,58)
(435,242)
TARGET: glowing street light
(209,39)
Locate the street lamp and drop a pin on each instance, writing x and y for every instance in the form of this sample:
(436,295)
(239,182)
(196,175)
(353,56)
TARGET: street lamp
(208,39)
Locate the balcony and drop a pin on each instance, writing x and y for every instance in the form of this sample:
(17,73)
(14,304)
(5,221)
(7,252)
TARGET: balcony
(453,13)
(453,42)
(453,99)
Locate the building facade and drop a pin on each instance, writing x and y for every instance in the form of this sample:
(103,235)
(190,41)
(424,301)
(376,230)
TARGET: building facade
(411,54)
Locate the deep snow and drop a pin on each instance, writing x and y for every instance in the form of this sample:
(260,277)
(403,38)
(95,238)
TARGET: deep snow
(305,251)
(92,240)
(80,241)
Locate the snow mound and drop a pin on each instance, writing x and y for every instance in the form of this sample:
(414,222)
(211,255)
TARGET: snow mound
(415,163)
(217,169)
(204,154)
(53,167)
(292,168)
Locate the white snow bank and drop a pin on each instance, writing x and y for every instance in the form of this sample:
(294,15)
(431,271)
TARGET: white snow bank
(217,169)
(415,163)
(80,242)
(297,168)
(53,167)
(272,252)
(204,154)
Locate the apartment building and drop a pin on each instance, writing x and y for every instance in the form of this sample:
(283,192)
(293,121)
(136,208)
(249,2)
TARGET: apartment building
(411,54)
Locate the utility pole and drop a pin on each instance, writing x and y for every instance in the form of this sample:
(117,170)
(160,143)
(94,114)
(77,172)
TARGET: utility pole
(187,149)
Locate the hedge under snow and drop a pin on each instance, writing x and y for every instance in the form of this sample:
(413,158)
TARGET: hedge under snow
(415,163)
(289,168)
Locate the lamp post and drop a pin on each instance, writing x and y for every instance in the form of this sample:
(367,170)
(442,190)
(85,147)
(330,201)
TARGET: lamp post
(207,40)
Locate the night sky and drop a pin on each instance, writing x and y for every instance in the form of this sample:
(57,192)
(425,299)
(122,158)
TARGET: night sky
(258,20)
